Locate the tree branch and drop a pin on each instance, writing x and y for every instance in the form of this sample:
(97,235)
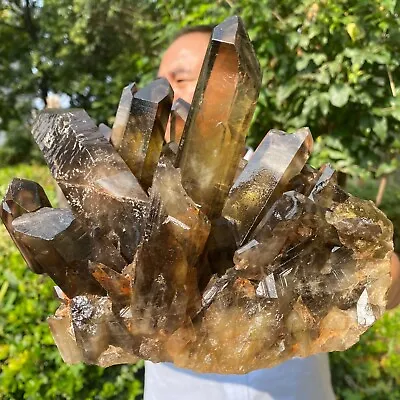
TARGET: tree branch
(391,82)
(19,28)
(277,16)
(381,191)
(31,28)
(16,8)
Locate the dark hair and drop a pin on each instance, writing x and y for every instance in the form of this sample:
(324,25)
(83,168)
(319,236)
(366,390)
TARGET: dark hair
(195,29)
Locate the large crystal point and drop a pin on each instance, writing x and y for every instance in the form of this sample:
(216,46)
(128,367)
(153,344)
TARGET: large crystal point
(278,159)
(59,244)
(213,140)
(22,196)
(165,286)
(94,178)
(179,113)
(143,137)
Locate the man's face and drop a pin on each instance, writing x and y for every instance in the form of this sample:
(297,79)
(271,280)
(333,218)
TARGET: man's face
(181,63)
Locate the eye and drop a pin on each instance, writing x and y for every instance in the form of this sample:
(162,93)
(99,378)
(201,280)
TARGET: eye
(184,79)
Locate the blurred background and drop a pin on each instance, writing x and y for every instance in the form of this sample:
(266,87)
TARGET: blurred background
(332,65)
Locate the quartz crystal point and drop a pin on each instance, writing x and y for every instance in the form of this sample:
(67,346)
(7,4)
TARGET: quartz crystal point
(105,131)
(179,113)
(325,191)
(165,285)
(214,136)
(59,244)
(94,178)
(278,159)
(22,196)
(143,137)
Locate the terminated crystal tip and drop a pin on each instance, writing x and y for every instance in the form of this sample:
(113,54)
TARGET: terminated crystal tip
(22,196)
(213,139)
(92,176)
(122,115)
(143,136)
(25,196)
(106,131)
(60,245)
(179,113)
(278,159)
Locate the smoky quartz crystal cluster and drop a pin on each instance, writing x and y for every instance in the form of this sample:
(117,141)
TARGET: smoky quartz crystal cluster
(184,251)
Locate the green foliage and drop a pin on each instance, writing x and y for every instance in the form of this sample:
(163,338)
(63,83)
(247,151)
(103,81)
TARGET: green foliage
(370,369)
(331,65)
(30,365)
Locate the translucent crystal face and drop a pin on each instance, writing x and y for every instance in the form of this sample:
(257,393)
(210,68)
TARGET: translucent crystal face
(214,136)
(185,252)
(179,112)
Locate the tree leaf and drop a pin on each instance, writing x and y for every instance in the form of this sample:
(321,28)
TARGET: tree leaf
(339,94)
(355,31)
(302,63)
(381,128)
(285,91)
(324,103)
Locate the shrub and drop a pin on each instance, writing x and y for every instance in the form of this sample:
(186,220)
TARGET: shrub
(370,369)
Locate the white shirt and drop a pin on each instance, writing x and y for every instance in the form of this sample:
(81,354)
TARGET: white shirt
(296,379)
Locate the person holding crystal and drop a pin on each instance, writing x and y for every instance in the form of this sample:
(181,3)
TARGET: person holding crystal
(297,379)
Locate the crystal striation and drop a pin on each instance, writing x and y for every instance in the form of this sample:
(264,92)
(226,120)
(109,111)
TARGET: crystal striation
(92,176)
